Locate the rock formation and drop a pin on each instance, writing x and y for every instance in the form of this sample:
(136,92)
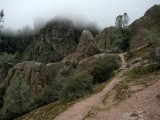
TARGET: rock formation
(56,40)
(86,47)
(104,39)
(141,27)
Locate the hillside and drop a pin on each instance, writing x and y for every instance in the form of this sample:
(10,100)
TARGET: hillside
(65,72)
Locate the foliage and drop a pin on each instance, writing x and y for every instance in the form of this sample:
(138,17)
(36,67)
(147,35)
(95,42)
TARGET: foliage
(121,39)
(1,15)
(7,58)
(102,72)
(75,87)
(47,95)
(129,54)
(158,96)
(17,100)
(122,21)
(141,70)
(121,34)
(154,39)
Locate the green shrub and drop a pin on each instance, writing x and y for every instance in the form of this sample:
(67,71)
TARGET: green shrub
(17,100)
(129,54)
(75,87)
(102,72)
(46,96)
(141,70)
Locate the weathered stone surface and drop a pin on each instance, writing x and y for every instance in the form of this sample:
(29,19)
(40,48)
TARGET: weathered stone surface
(86,47)
(36,74)
(53,70)
(3,71)
(104,39)
(87,64)
(141,27)
(52,43)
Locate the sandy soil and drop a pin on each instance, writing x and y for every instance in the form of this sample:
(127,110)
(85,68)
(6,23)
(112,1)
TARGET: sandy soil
(143,105)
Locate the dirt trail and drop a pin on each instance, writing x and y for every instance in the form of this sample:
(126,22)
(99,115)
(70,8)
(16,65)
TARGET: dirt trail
(80,109)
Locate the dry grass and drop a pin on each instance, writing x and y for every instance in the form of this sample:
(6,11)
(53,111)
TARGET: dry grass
(136,54)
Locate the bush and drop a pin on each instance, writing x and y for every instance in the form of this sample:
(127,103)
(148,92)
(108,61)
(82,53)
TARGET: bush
(46,96)
(102,72)
(141,70)
(17,100)
(129,54)
(75,87)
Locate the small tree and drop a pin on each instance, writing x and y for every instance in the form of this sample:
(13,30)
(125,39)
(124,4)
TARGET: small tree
(121,34)
(122,21)
(1,20)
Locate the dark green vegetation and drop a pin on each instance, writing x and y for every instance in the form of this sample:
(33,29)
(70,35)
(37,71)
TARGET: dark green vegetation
(103,72)
(142,70)
(121,34)
(63,90)
(75,87)
(18,99)
(154,42)
(158,96)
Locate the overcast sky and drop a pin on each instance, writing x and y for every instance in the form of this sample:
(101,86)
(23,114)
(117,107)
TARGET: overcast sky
(19,13)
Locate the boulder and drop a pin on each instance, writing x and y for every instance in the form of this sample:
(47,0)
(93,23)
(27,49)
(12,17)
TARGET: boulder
(88,64)
(86,47)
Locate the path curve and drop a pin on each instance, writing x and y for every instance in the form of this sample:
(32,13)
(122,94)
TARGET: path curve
(80,109)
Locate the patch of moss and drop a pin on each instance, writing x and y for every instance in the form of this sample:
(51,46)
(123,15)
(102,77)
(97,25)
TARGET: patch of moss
(158,96)
(137,72)
(134,114)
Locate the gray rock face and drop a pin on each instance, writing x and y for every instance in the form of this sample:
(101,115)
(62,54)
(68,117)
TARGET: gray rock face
(86,47)
(141,27)
(104,39)
(88,64)
(52,43)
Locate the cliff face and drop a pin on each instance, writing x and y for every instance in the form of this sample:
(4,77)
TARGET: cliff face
(141,27)
(104,39)
(52,43)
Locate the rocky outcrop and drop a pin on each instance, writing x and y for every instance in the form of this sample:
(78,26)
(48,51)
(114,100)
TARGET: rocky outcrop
(86,47)
(36,74)
(104,39)
(53,42)
(141,27)
(88,64)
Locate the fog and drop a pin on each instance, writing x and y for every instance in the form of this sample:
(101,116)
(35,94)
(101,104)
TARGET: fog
(19,13)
